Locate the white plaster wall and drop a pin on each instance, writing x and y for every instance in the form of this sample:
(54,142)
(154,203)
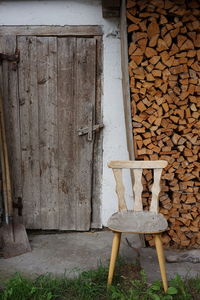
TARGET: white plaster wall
(87,12)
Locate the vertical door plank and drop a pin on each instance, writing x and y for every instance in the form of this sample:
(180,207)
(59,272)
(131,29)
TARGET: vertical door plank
(9,89)
(48,131)
(97,154)
(66,133)
(84,98)
(28,98)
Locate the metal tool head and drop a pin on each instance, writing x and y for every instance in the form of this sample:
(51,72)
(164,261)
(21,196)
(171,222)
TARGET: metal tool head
(14,240)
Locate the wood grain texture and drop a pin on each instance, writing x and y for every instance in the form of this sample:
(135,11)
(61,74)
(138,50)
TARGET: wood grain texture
(64,159)
(66,133)
(137,189)
(114,254)
(137,222)
(164,60)
(98,142)
(85,97)
(161,260)
(4,200)
(125,80)
(9,89)
(48,131)
(57,81)
(155,190)
(75,30)
(126,164)
(137,168)
(28,99)
(126,87)
(120,189)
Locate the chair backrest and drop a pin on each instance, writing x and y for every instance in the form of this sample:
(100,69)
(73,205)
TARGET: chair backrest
(137,167)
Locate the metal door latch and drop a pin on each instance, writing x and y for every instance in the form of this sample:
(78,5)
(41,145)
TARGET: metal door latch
(91,128)
(86,130)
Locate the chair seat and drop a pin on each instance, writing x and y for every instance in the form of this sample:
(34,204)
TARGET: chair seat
(137,222)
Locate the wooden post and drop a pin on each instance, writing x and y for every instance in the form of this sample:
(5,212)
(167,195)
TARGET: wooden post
(125,80)
(126,88)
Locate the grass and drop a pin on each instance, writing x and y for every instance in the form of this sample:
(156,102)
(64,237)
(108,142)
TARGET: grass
(91,285)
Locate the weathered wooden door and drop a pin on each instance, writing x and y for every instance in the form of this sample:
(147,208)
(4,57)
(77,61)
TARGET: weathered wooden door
(55,84)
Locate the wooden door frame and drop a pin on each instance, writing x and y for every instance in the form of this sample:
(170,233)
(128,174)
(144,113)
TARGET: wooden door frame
(96,32)
(52,30)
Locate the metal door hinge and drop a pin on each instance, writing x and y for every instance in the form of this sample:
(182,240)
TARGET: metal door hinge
(14,58)
(18,205)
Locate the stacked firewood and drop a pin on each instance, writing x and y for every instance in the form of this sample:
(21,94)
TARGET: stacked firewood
(164,68)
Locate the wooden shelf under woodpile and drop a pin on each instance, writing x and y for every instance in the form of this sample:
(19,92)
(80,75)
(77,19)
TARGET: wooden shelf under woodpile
(164,68)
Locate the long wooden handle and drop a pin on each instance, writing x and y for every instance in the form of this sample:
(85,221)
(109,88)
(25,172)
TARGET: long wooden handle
(5,165)
(5,200)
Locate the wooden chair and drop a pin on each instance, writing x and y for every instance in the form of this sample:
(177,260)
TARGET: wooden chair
(137,220)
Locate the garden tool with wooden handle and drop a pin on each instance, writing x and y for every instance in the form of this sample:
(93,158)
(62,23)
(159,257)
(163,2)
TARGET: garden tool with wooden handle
(14,237)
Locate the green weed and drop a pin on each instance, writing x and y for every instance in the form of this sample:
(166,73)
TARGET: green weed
(91,285)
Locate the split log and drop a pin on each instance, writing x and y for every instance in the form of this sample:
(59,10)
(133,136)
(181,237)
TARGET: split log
(164,70)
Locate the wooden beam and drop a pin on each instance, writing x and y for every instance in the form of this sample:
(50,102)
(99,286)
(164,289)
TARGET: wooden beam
(125,81)
(126,89)
(111,8)
(83,30)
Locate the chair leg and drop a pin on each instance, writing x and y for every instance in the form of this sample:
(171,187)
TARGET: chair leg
(114,254)
(161,260)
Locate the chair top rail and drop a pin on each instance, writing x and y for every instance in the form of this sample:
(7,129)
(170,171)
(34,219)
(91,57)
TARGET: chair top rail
(128,164)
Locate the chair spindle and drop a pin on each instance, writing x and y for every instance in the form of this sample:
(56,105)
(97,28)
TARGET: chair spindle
(155,190)
(137,189)
(120,189)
